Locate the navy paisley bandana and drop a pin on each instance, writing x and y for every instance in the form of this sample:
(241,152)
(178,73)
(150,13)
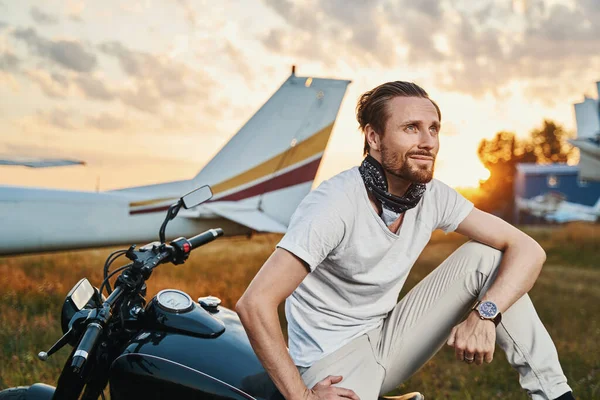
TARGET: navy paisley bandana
(374,178)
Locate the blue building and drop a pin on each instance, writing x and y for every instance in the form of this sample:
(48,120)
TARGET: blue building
(560,180)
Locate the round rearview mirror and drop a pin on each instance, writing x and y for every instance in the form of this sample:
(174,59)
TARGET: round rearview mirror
(196,197)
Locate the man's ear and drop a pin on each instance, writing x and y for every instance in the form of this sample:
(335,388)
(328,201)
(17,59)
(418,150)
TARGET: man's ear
(373,138)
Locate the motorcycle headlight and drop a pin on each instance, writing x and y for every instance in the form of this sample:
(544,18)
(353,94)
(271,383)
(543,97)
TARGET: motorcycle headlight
(82,295)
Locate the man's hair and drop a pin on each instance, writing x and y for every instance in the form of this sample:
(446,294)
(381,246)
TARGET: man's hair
(372,108)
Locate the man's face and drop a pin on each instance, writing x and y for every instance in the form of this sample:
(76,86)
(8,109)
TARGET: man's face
(410,143)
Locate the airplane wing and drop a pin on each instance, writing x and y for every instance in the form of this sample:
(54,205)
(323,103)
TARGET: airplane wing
(37,162)
(248,216)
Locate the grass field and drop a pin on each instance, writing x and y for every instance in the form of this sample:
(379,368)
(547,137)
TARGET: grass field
(566,295)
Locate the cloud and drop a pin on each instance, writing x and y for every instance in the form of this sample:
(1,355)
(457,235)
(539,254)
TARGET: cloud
(238,60)
(58,118)
(42,17)
(190,13)
(75,9)
(54,85)
(9,82)
(59,85)
(9,62)
(155,78)
(153,84)
(472,47)
(93,88)
(66,53)
(143,97)
(331,33)
(106,122)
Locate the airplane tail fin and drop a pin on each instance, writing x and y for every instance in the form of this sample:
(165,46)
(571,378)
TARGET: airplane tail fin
(270,164)
(260,176)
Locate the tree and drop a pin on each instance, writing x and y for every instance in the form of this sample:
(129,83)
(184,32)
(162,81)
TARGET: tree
(501,154)
(550,143)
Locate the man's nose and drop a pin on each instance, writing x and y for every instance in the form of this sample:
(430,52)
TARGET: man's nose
(427,141)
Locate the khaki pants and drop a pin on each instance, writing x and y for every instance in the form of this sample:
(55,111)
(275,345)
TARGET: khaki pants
(420,324)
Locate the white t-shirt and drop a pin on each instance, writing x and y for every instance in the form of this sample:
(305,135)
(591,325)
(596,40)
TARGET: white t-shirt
(358,266)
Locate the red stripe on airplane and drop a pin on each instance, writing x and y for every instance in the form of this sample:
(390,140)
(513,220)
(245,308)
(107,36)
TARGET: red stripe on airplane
(149,210)
(302,174)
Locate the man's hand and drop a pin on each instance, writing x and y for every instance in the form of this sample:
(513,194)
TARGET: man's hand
(325,391)
(474,339)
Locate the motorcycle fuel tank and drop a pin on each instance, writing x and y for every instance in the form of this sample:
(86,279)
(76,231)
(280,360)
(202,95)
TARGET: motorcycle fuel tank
(191,355)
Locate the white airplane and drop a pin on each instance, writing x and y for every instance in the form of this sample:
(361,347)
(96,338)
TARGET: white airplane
(568,212)
(553,207)
(258,179)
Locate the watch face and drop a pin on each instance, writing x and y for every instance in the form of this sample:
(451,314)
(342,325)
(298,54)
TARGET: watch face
(488,309)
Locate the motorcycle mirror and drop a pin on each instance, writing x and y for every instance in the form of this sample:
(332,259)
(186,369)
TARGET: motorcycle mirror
(197,197)
(190,200)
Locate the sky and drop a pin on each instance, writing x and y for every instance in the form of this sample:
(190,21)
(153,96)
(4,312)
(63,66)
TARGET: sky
(147,91)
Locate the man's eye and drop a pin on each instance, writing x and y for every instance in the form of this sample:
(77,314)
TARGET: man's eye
(411,128)
(434,130)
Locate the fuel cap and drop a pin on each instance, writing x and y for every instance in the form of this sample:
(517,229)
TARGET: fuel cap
(210,303)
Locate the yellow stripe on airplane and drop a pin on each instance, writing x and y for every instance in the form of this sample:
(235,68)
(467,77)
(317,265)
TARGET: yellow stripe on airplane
(300,152)
(150,202)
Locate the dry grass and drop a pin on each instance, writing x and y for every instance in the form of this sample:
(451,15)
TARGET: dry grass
(566,296)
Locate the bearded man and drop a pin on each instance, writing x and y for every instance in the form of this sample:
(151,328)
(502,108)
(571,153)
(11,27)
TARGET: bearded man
(348,250)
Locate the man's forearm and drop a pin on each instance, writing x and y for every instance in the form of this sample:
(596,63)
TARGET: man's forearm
(262,326)
(520,267)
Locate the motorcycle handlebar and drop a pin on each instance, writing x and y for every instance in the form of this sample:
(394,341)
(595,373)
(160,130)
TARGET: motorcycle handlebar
(94,329)
(205,237)
(86,345)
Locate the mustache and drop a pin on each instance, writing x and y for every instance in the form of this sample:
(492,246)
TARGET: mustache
(421,153)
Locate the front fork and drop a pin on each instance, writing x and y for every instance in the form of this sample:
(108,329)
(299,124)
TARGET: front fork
(70,384)
(92,380)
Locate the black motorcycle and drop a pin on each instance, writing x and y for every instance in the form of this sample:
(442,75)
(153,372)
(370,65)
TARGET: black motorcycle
(169,348)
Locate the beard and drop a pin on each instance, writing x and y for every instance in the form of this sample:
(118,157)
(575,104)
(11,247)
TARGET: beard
(402,167)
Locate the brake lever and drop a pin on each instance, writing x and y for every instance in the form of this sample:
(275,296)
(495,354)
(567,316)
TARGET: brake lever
(74,325)
(43,355)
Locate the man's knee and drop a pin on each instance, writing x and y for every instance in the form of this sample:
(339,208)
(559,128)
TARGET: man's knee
(484,257)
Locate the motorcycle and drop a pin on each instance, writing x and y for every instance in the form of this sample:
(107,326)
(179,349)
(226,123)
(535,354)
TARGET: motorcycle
(169,347)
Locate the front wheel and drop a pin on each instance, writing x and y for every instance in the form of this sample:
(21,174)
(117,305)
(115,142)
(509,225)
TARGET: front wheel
(37,391)
(16,393)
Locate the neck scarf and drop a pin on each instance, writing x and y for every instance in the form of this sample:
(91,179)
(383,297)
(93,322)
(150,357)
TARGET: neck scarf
(374,178)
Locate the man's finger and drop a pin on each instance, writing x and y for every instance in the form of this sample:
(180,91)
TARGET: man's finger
(347,393)
(460,354)
(469,356)
(451,338)
(478,358)
(330,380)
(450,341)
(489,357)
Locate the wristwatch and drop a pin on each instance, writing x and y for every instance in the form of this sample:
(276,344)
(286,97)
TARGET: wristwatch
(488,310)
